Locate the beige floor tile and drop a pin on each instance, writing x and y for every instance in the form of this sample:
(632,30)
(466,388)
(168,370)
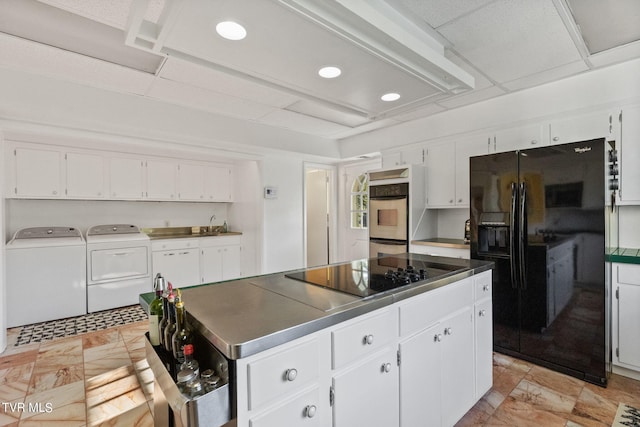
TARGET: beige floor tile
(115,349)
(542,398)
(14,382)
(74,414)
(112,390)
(50,376)
(139,416)
(69,394)
(94,368)
(99,338)
(10,411)
(105,410)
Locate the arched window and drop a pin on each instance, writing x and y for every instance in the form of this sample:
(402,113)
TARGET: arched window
(360,202)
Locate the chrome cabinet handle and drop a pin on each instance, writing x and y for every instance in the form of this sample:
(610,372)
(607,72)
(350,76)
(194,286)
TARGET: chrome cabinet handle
(386,367)
(310,411)
(448,331)
(485,288)
(482,313)
(368,339)
(291,374)
(556,138)
(437,337)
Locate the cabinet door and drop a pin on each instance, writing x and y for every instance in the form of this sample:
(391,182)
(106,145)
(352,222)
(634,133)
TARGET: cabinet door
(458,385)
(181,266)
(161,180)
(218,181)
(519,138)
(628,278)
(85,175)
(366,394)
(38,173)
(629,155)
(441,175)
(484,346)
(125,178)
(304,411)
(211,264)
(190,182)
(231,262)
(465,150)
(391,159)
(581,128)
(420,383)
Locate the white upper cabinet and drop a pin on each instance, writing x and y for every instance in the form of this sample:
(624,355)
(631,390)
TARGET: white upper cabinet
(448,171)
(37,173)
(191,181)
(581,128)
(629,155)
(465,149)
(402,157)
(126,178)
(218,183)
(519,138)
(441,175)
(161,180)
(85,176)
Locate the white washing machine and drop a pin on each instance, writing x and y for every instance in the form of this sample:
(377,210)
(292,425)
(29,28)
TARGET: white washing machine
(46,275)
(118,266)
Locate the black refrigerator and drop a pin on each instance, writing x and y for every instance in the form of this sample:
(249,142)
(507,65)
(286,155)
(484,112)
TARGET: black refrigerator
(539,214)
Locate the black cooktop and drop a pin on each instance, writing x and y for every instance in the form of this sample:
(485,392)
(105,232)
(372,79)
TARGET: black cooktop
(372,276)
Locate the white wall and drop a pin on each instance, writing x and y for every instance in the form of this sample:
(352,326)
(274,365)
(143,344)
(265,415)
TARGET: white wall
(246,214)
(451,223)
(3,293)
(629,226)
(83,214)
(283,244)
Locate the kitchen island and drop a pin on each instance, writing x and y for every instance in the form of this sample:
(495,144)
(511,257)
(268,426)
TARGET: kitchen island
(298,351)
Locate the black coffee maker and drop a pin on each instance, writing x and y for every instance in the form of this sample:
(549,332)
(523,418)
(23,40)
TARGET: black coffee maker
(467,231)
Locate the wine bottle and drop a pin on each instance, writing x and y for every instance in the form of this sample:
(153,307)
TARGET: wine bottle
(155,314)
(171,323)
(165,312)
(183,335)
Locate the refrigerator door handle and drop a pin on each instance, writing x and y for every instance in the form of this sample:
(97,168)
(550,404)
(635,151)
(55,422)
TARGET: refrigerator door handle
(512,235)
(522,236)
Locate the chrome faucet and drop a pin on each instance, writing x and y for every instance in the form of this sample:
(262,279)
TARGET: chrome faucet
(211,221)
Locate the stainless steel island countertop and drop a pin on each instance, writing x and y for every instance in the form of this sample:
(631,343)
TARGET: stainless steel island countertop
(247,316)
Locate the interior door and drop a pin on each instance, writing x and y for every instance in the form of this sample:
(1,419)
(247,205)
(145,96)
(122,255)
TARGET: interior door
(317,198)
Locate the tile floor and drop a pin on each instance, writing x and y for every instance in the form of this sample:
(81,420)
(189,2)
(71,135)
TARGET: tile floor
(102,379)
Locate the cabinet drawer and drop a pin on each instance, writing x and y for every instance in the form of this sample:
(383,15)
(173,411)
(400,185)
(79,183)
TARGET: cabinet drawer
(282,373)
(482,285)
(206,242)
(173,244)
(362,338)
(303,411)
(629,274)
(428,308)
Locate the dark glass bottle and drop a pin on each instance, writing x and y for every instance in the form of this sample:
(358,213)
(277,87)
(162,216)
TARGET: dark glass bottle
(171,323)
(165,312)
(183,334)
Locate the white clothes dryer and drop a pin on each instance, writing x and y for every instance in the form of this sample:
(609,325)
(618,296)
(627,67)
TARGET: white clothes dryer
(46,275)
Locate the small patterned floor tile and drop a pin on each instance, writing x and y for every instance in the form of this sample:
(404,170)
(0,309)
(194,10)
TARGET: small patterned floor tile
(40,332)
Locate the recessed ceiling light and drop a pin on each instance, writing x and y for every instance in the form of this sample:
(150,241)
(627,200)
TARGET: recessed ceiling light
(231,30)
(392,96)
(329,72)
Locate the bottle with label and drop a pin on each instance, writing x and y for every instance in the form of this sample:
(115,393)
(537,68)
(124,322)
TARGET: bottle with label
(225,227)
(165,312)
(183,335)
(171,323)
(155,314)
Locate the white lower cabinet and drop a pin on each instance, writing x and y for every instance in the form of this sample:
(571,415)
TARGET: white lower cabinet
(178,260)
(220,258)
(365,393)
(626,317)
(423,361)
(483,337)
(437,372)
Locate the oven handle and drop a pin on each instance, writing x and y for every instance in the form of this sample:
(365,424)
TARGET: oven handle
(389,242)
(388,197)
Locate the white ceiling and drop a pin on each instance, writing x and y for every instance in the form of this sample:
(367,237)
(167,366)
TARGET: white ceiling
(437,54)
